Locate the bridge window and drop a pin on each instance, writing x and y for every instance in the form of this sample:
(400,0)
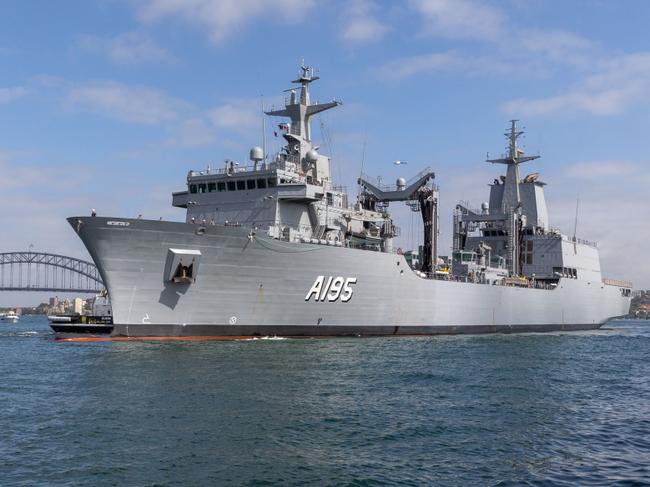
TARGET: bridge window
(212,187)
(192,188)
(250,184)
(272,182)
(221,186)
(241,185)
(468,256)
(464,257)
(261,183)
(330,199)
(231,186)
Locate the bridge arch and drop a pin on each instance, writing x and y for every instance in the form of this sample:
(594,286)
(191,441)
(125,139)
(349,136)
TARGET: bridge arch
(40,271)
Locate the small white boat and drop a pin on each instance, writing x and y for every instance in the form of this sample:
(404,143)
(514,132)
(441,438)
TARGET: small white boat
(10,317)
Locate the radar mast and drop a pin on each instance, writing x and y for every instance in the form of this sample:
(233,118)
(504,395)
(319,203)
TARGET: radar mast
(300,111)
(515,157)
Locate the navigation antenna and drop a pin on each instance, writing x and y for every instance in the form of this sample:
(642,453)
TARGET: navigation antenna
(263,129)
(575,227)
(363,159)
(513,159)
(327,138)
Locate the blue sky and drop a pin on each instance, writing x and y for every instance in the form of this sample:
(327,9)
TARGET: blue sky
(107,104)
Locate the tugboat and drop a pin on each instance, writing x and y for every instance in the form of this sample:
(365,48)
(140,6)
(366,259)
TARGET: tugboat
(98,323)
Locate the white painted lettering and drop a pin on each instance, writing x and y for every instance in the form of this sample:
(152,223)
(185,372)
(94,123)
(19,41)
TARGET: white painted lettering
(331,290)
(347,289)
(335,289)
(323,293)
(315,288)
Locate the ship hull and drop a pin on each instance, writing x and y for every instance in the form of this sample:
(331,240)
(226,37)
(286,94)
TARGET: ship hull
(299,331)
(249,285)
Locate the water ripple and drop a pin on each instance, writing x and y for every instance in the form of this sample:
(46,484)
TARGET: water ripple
(503,410)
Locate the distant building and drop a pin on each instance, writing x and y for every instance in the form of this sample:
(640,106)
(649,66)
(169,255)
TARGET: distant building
(78,305)
(54,301)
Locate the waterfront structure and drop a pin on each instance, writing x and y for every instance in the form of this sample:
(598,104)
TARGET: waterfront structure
(40,271)
(277,248)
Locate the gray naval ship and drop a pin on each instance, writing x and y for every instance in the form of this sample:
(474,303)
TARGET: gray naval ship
(274,248)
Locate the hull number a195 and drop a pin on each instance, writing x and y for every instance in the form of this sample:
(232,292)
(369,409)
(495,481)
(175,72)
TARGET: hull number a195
(331,289)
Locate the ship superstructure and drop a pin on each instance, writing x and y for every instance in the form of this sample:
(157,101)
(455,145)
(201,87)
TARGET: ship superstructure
(275,248)
(511,237)
(292,196)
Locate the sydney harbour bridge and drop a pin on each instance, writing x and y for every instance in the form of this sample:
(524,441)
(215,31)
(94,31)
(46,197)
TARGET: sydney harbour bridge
(38,271)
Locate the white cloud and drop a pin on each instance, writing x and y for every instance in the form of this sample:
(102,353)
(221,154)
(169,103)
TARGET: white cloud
(193,132)
(445,61)
(185,124)
(557,46)
(602,169)
(605,102)
(502,48)
(127,103)
(126,48)
(237,115)
(613,86)
(12,93)
(359,25)
(23,176)
(409,66)
(223,18)
(460,19)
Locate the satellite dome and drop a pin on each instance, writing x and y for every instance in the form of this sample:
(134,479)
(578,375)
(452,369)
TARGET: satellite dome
(257,154)
(311,156)
(401,184)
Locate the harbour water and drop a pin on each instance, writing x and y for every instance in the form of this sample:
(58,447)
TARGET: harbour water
(539,409)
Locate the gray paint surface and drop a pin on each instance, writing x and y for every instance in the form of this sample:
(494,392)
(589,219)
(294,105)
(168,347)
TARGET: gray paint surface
(252,284)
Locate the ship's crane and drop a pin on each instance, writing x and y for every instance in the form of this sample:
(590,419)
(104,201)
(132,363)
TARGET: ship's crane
(416,194)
